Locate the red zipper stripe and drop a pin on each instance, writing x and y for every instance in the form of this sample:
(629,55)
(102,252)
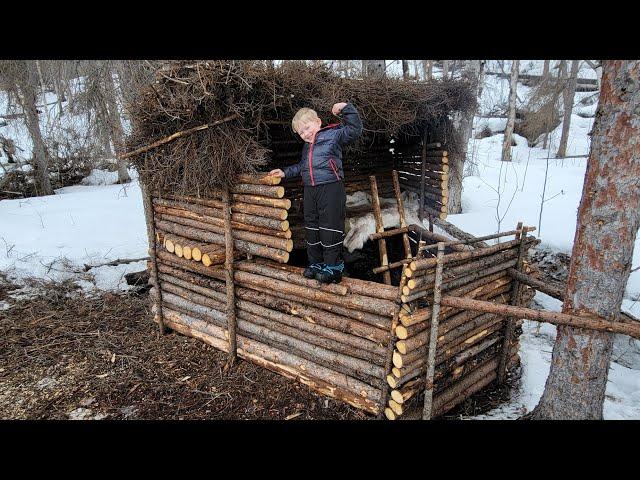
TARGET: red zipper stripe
(334,168)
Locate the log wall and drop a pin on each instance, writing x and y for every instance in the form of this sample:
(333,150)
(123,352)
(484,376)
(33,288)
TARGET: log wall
(361,342)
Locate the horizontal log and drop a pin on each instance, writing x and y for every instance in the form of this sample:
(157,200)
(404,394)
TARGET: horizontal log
(306,313)
(317,377)
(355,285)
(589,322)
(283,203)
(368,304)
(389,233)
(262,190)
(279,243)
(217,224)
(412,322)
(272,333)
(479,252)
(258,179)
(214,215)
(296,278)
(210,237)
(215,207)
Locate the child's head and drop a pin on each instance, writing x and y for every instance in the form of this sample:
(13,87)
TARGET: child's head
(306,123)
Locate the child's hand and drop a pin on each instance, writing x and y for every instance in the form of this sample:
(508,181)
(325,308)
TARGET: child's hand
(337,107)
(276,173)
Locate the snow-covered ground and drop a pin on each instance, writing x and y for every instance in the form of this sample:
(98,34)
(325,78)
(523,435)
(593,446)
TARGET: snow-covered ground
(54,237)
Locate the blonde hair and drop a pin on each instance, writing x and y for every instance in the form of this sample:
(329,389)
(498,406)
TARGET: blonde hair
(303,115)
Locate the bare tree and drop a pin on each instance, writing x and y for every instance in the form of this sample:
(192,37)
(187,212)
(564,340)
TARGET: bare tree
(405,69)
(115,124)
(568,96)
(427,68)
(545,69)
(513,85)
(373,68)
(608,221)
(465,123)
(21,78)
(445,69)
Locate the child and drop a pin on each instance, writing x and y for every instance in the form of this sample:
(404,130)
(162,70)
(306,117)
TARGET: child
(324,194)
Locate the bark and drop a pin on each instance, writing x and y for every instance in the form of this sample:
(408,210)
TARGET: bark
(115,124)
(513,84)
(445,69)
(382,244)
(28,87)
(473,69)
(608,221)
(405,69)
(568,96)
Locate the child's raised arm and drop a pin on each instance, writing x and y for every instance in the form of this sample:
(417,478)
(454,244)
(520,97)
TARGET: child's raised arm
(352,127)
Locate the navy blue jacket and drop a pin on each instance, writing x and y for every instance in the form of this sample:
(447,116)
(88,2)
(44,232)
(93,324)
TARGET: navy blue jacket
(321,160)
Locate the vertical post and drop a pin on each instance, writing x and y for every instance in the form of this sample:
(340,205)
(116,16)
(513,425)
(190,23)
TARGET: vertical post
(403,222)
(228,264)
(382,244)
(151,234)
(433,336)
(431,223)
(422,175)
(515,294)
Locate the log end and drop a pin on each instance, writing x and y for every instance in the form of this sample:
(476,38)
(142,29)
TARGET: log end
(389,414)
(391,380)
(397,359)
(402,347)
(397,396)
(401,332)
(395,407)
(168,244)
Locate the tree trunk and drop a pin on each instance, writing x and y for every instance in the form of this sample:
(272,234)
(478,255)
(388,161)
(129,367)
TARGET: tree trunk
(608,221)
(545,70)
(28,87)
(405,69)
(115,125)
(568,95)
(473,70)
(373,68)
(513,84)
(445,69)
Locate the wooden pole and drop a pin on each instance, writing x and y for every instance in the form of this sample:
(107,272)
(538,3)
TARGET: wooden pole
(433,337)
(151,234)
(508,332)
(403,223)
(176,135)
(231,302)
(422,176)
(589,322)
(382,244)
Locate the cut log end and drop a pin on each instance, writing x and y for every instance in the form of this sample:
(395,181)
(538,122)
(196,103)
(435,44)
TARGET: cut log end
(397,396)
(389,414)
(391,380)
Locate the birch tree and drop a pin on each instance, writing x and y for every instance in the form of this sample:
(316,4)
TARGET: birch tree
(608,221)
(568,96)
(508,132)
(472,74)
(115,124)
(405,69)
(445,69)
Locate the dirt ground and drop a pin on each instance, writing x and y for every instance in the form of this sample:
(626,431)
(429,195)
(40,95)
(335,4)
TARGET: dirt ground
(66,355)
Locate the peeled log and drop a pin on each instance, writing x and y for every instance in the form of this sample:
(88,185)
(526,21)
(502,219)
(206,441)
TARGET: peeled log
(259,239)
(318,378)
(210,237)
(306,313)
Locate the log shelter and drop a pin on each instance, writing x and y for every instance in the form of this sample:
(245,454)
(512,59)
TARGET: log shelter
(222,270)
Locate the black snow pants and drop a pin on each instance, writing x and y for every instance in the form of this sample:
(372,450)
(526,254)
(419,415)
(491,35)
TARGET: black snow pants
(324,213)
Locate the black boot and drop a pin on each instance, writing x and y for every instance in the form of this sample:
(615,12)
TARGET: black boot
(312,270)
(330,274)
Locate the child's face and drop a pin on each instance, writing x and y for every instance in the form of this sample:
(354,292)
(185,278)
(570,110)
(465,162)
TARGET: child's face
(308,129)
